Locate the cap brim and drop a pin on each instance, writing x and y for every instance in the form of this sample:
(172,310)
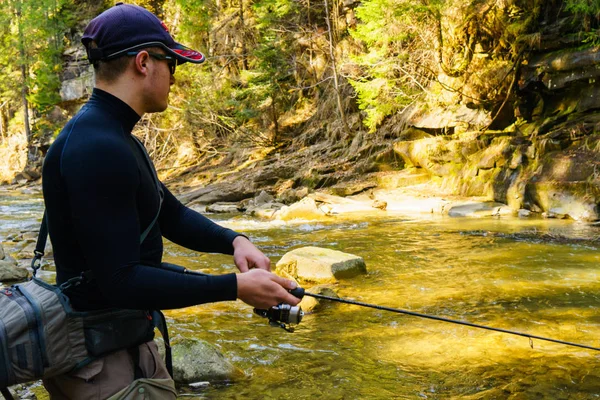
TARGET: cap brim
(185,54)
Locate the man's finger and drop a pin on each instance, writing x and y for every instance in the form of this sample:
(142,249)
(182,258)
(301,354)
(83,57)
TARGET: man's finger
(264,263)
(285,283)
(242,264)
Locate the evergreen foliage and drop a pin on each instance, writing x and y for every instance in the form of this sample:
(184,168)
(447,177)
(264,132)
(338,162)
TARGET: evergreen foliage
(270,62)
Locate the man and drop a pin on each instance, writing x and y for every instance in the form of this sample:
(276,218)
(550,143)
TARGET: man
(103,204)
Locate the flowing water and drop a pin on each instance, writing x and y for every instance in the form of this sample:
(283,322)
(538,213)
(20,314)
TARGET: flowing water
(507,273)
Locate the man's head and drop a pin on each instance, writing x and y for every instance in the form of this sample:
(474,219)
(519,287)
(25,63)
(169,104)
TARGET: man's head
(125,28)
(128,38)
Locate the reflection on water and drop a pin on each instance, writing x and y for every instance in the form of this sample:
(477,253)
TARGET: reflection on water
(536,276)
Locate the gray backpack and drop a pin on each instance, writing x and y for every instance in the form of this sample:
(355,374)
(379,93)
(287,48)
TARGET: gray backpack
(41,336)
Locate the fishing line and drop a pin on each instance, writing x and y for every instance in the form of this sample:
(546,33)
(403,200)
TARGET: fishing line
(300,292)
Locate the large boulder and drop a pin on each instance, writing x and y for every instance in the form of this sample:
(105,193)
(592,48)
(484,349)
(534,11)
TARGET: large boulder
(196,360)
(316,264)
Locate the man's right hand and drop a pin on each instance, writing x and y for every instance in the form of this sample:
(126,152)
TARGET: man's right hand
(263,289)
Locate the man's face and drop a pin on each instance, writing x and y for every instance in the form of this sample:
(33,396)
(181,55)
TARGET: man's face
(158,84)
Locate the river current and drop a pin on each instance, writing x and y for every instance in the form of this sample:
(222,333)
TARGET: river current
(537,276)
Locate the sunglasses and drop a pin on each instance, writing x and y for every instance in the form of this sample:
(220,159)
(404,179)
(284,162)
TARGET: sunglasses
(171,61)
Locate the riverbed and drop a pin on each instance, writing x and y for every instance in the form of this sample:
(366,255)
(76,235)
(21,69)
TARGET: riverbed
(538,276)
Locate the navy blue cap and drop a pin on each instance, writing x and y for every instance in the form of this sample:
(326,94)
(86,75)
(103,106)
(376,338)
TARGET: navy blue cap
(127,27)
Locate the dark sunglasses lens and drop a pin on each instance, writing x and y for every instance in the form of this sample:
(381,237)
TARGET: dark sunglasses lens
(172,66)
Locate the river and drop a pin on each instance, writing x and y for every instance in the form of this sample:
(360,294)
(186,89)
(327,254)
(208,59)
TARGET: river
(508,273)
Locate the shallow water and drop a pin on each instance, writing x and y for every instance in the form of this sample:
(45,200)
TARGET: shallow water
(507,273)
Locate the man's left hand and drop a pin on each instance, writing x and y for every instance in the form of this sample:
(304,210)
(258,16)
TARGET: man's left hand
(246,256)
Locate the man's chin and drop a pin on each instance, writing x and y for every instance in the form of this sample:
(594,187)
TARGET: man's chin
(158,108)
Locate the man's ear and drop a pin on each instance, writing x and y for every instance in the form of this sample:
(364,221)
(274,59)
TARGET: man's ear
(141,62)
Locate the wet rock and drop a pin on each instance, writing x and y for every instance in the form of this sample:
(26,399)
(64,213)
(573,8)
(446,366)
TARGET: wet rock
(316,264)
(222,207)
(26,251)
(479,209)
(263,206)
(29,235)
(216,193)
(263,198)
(289,196)
(11,271)
(196,360)
(337,205)
(575,200)
(312,304)
(305,209)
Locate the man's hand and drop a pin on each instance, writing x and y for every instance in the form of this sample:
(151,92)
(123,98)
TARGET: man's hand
(246,256)
(262,289)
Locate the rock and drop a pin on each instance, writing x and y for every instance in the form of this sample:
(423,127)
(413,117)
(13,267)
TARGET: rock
(524,213)
(316,264)
(407,177)
(2,254)
(266,210)
(77,88)
(312,304)
(350,188)
(305,209)
(380,204)
(289,196)
(10,271)
(263,206)
(196,360)
(576,200)
(222,207)
(30,235)
(331,204)
(26,251)
(263,198)
(443,117)
(479,209)
(216,193)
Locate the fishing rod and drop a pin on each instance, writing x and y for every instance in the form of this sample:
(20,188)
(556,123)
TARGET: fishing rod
(285,316)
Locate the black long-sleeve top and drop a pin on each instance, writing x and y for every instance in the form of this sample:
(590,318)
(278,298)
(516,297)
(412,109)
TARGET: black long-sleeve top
(100,196)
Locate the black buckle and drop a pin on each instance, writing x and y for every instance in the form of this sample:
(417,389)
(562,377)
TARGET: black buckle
(36,262)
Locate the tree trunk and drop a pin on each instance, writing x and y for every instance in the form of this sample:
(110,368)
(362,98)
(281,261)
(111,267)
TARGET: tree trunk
(243,38)
(275,122)
(335,74)
(23,67)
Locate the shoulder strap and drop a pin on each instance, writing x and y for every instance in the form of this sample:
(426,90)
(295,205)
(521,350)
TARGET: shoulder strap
(159,321)
(40,245)
(159,189)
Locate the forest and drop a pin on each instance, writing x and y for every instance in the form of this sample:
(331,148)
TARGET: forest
(284,75)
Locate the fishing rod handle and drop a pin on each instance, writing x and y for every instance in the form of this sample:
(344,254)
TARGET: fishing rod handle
(298,292)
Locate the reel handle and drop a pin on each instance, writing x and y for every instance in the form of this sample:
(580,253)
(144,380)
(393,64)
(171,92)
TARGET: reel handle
(298,292)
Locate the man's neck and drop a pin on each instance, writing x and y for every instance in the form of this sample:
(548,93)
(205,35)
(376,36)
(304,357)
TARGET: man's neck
(124,92)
